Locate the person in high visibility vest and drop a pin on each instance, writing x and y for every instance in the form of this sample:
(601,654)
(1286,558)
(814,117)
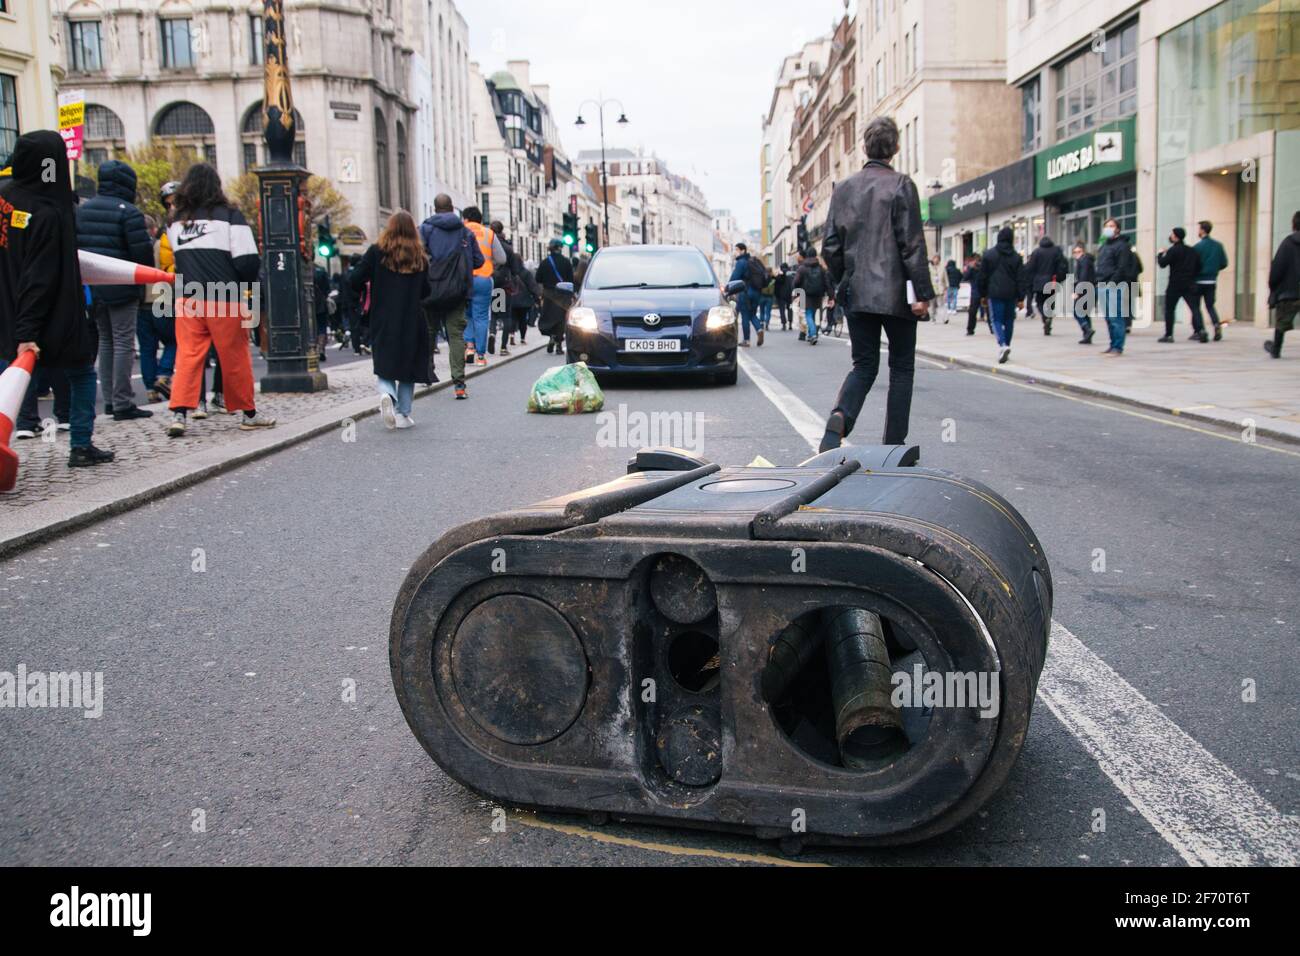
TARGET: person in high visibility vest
(494,254)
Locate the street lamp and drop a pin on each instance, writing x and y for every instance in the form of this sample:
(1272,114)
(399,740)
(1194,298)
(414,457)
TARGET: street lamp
(622,121)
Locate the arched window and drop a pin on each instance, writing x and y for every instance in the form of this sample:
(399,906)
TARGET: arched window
(188,125)
(105,135)
(252,142)
(381,161)
(403,184)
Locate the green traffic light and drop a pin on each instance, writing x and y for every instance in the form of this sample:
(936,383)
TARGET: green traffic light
(568,240)
(590,247)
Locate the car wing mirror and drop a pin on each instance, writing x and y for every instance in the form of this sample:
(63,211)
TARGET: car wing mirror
(735,286)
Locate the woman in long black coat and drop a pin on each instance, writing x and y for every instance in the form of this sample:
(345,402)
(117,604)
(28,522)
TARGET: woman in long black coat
(553,270)
(397,269)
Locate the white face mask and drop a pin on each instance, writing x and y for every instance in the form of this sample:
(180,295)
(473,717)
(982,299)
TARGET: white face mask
(1109,232)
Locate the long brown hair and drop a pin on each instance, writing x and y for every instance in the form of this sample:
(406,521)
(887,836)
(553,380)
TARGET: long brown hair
(400,246)
(199,190)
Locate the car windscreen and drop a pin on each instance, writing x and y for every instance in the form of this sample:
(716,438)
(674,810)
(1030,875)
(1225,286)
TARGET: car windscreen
(649,270)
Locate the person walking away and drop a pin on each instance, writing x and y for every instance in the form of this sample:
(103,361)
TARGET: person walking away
(1184,265)
(766,300)
(812,280)
(1085,290)
(1047,270)
(154,327)
(397,270)
(454,255)
(974,309)
(215,252)
(781,289)
(953,278)
(938,281)
(1284,287)
(1117,270)
(481,302)
(349,306)
(42,305)
(1213,261)
(320,284)
(521,293)
(551,271)
(873,233)
(752,272)
(1003,284)
(112,225)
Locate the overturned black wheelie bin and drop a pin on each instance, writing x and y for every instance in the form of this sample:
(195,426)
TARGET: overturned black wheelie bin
(845,651)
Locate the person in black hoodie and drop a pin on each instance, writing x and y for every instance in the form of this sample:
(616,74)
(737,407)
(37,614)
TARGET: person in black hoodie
(783,287)
(971,274)
(1284,287)
(1183,263)
(1047,270)
(1085,284)
(111,225)
(1003,284)
(954,284)
(42,304)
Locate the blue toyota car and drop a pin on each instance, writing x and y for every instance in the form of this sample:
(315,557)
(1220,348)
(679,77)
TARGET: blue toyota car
(653,309)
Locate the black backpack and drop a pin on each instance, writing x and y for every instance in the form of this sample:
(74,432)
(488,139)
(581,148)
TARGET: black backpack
(814,282)
(756,274)
(449,281)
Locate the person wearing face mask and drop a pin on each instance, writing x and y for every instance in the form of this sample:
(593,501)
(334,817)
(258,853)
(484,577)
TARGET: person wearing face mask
(1117,270)
(1183,264)
(1085,284)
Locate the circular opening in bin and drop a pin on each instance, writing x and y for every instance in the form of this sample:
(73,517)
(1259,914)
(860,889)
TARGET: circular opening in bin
(838,709)
(693,661)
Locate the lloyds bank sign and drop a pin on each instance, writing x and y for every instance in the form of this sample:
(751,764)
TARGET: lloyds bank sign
(1099,154)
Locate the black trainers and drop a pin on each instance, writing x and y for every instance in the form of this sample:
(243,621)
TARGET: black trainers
(88,456)
(135,411)
(492,344)
(1218,333)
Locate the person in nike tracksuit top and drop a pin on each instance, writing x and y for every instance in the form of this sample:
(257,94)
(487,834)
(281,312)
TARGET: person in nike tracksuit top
(216,260)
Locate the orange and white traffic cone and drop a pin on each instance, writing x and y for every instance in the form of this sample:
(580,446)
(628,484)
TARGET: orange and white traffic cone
(105,270)
(13,386)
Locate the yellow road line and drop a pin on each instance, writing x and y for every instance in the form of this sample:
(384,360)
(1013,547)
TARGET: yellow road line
(1062,393)
(530,819)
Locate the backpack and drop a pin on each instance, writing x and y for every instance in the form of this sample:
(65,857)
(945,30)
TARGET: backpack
(449,281)
(756,274)
(814,282)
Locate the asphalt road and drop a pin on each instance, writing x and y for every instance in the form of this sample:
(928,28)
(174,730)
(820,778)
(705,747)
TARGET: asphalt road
(222,689)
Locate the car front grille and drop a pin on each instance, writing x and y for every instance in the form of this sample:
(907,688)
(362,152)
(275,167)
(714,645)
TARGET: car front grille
(623,323)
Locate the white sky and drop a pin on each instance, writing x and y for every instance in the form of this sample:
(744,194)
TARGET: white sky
(695,76)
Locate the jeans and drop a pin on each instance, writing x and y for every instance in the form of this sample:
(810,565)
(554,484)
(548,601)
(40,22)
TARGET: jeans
(1113,298)
(765,309)
(748,302)
(401,392)
(82,384)
(1003,314)
(151,330)
(480,314)
(116,351)
(951,298)
(1081,305)
(864,337)
(810,320)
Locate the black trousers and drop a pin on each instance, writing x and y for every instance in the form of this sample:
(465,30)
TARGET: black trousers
(1205,292)
(787,314)
(1193,302)
(864,337)
(973,312)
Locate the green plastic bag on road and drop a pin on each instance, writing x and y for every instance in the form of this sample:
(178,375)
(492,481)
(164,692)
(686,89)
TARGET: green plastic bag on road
(566,390)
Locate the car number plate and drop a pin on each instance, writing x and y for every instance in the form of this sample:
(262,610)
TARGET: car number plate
(652,345)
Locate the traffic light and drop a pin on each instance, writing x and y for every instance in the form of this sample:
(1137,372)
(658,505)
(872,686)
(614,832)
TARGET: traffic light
(570,229)
(593,238)
(327,246)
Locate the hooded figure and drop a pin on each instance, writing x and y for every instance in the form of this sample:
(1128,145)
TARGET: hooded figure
(41,297)
(1002,274)
(111,225)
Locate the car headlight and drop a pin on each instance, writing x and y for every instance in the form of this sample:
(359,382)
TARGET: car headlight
(720,317)
(583,319)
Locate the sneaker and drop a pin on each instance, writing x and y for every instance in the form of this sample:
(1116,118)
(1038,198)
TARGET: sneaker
(550,347)
(163,386)
(65,427)
(153,396)
(481,361)
(1109,350)
(386,411)
(258,420)
(24,433)
(177,427)
(1218,333)
(1004,353)
(469,356)
(1268,347)
(88,456)
(202,411)
(512,340)
(803,336)
(460,392)
(1202,337)
(1165,338)
(745,344)
(505,350)
(218,403)
(1194,337)
(126,414)
(1112,353)
(405,421)
(760,336)
(813,340)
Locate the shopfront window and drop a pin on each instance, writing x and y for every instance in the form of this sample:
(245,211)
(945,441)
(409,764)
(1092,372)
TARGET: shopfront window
(1031,117)
(1081,218)
(8,116)
(1098,84)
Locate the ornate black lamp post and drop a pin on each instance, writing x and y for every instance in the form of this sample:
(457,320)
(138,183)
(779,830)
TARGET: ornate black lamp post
(289,313)
(622,121)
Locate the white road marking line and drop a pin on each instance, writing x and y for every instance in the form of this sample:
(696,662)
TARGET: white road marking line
(1205,811)
(1200,807)
(885,348)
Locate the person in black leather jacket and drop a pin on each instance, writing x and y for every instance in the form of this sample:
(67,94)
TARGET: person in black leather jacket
(874,236)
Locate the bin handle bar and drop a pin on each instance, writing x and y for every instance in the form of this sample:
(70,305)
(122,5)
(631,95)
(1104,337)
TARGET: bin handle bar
(593,508)
(766,519)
